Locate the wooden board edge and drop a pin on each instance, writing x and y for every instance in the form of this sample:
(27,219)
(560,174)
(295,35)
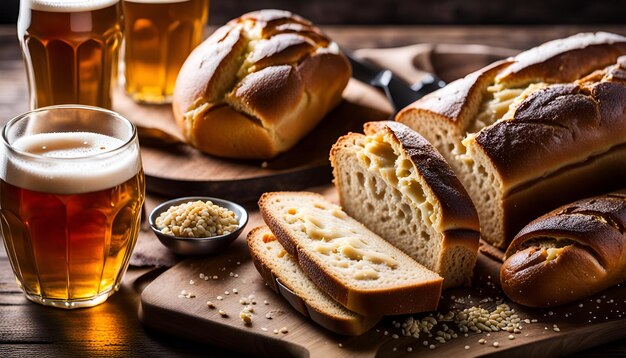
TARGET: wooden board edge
(246,342)
(242,190)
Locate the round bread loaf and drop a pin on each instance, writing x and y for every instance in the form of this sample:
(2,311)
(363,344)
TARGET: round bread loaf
(258,85)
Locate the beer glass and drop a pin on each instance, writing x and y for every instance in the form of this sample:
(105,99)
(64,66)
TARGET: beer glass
(70,48)
(71,191)
(158,37)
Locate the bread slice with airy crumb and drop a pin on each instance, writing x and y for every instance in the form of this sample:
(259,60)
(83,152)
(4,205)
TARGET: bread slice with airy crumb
(397,184)
(283,275)
(530,133)
(356,267)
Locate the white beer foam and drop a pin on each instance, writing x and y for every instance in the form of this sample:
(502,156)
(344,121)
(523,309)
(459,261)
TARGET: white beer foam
(70,5)
(71,168)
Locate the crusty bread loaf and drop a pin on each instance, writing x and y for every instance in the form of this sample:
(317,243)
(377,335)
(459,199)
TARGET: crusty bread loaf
(399,186)
(568,254)
(530,133)
(274,263)
(258,85)
(353,265)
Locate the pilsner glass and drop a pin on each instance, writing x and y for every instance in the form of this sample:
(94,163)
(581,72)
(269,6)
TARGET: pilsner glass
(71,192)
(158,37)
(70,48)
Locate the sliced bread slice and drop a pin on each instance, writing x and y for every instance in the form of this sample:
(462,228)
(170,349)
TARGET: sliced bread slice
(283,275)
(398,185)
(356,267)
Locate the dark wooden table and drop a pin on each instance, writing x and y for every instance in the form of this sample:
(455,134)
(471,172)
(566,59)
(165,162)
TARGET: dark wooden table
(113,329)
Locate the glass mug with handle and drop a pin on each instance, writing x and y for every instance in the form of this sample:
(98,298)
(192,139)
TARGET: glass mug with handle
(158,37)
(71,192)
(71,50)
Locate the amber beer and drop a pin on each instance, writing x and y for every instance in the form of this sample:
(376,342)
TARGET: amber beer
(158,36)
(70,204)
(70,48)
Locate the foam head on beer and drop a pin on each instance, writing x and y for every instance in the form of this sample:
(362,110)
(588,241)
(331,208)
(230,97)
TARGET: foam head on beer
(71,162)
(70,5)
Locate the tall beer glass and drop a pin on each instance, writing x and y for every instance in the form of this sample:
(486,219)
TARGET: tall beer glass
(158,37)
(71,192)
(70,48)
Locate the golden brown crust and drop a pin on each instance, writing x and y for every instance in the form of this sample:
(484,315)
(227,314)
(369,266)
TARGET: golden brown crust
(234,134)
(564,60)
(457,210)
(371,302)
(211,75)
(568,254)
(561,123)
(260,65)
(269,88)
(349,324)
(458,101)
(525,203)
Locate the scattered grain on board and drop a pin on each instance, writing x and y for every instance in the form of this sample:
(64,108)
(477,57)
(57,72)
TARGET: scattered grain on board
(185,294)
(246,315)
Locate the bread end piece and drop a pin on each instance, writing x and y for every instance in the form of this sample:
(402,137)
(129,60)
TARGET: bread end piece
(283,275)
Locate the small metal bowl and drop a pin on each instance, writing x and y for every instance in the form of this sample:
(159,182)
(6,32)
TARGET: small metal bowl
(198,245)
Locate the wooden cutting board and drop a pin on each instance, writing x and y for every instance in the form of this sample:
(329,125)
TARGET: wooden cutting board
(182,170)
(601,318)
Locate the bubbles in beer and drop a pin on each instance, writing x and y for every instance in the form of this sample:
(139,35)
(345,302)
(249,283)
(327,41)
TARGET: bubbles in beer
(70,5)
(81,165)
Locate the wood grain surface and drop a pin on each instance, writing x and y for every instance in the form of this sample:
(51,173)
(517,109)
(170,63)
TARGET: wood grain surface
(113,329)
(175,303)
(181,170)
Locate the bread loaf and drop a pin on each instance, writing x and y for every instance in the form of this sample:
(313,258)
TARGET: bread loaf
(530,133)
(274,263)
(356,267)
(257,85)
(395,183)
(568,254)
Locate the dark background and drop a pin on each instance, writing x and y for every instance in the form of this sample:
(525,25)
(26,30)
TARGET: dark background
(425,12)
